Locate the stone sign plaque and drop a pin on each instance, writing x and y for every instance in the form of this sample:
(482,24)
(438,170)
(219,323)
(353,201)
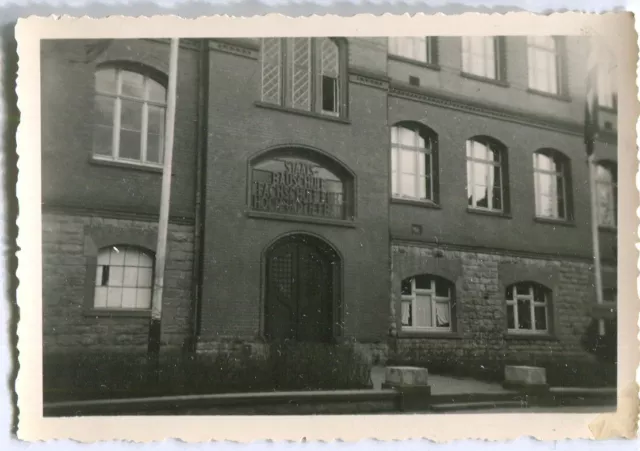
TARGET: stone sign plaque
(296,187)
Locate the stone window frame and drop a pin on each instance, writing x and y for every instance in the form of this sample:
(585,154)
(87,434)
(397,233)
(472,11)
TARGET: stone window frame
(282,74)
(148,73)
(450,270)
(431,155)
(99,237)
(510,274)
(502,166)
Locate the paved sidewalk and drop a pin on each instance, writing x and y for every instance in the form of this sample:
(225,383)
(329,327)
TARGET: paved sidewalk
(446,385)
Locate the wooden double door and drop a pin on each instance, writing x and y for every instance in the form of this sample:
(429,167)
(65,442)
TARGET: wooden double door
(301,287)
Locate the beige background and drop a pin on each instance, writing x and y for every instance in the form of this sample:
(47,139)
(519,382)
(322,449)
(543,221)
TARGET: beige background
(618,31)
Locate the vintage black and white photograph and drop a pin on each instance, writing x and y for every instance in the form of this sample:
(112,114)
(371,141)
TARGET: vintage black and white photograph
(313,225)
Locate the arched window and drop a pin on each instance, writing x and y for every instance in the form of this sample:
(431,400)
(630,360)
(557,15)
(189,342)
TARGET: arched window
(486,174)
(124,278)
(552,184)
(417,48)
(305,74)
(544,63)
(129,117)
(528,305)
(413,162)
(427,303)
(607,191)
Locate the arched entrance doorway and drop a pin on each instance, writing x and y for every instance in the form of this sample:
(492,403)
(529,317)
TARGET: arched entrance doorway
(302,287)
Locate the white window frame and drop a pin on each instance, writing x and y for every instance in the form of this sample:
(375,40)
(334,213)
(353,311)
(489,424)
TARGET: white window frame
(397,175)
(315,71)
(611,188)
(117,97)
(471,161)
(430,293)
(490,56)
(100,267)
(562,173)
(552,55)
(530,296)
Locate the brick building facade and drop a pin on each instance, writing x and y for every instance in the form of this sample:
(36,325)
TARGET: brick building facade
(318,193)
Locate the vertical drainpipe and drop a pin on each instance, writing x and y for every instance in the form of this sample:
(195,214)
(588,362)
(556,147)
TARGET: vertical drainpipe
(200,182)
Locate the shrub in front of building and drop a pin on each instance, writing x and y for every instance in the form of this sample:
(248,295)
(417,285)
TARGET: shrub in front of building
(286,366)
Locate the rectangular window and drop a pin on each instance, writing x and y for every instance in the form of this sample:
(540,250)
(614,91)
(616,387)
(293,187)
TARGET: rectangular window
(527,308)
(420,48)
(544,64)
(426,304)
(303,74)
(481,56)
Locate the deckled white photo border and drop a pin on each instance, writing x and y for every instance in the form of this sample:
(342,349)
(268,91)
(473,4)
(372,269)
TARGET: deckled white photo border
(618,31)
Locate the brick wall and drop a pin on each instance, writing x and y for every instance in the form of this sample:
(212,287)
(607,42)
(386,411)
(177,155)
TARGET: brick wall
(69,177)
(234,243)
(67,323)
(481,335)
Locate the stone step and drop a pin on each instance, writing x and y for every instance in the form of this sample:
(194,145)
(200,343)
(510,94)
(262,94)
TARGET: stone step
(462,406)
(458,398)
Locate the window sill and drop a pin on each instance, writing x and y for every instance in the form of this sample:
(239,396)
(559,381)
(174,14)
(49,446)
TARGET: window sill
(493,81)
(428,333)
(404,59)
(608,229)
(551,95)
(530,336)
(313,114)
(125,164)
(608,109)
(552,221)
(98,312)
(495,213)
(303,219)
(416,203)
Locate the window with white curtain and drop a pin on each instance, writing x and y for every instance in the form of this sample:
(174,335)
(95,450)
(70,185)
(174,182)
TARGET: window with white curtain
(550,171)
(124,278)
(413,158)
(303,74)
(129,117)
(427,303)
(481,56)
(417,48)
(544,68)
(485,178)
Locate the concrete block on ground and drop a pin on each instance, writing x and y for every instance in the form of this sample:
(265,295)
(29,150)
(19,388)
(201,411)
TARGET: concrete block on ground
(525,377)
(406,376)
(412,383)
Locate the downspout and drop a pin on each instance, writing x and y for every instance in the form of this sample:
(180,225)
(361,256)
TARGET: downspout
(200,180)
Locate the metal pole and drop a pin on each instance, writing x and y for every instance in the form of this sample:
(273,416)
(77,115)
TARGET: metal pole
(596,235)
(163,223)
